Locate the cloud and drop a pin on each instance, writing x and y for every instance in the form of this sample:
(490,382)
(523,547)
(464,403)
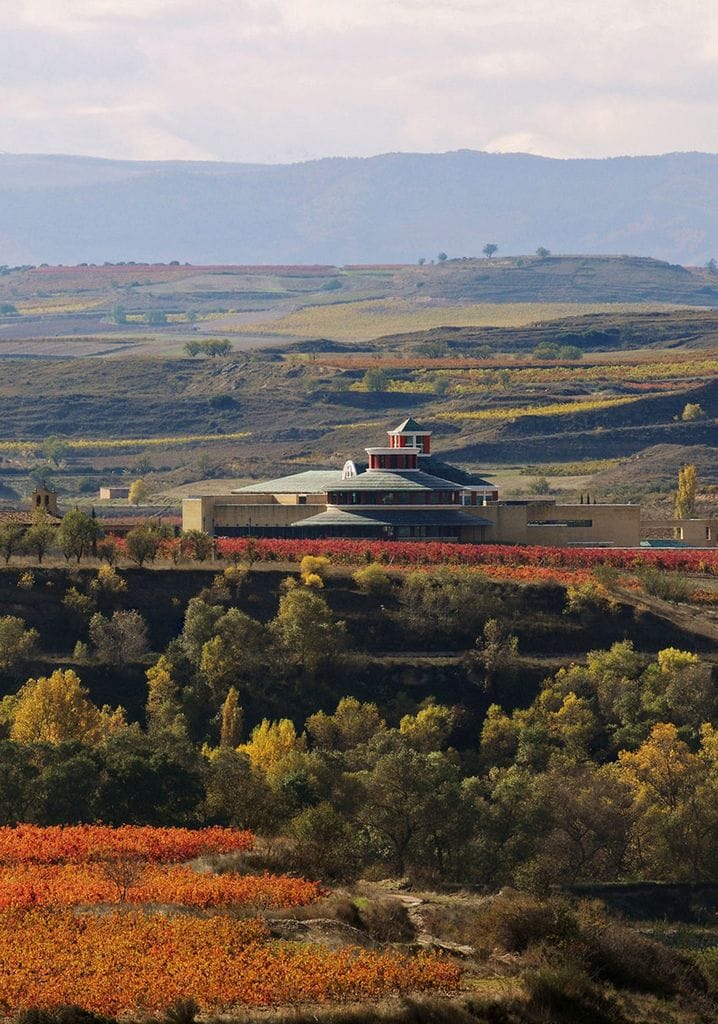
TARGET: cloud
(276,80)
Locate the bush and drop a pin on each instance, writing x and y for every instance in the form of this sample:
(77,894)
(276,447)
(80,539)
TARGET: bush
(628,959)
(589,598)
(387,921)
(513,921)
(61,1015)
(567,990)
(668,586)
(314,565)
(372,579)
(692,412)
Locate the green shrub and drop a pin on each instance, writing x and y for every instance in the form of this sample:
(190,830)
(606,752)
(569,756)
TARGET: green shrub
(668,586)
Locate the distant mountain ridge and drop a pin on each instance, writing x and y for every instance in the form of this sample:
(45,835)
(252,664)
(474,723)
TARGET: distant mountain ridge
(392,208)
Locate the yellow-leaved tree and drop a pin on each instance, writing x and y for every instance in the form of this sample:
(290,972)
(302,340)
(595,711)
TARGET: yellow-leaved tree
(57,709)
(686,493)
(275,748)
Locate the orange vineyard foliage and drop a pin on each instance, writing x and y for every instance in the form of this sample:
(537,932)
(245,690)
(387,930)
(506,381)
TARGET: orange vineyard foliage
(78,844)
(133,963)
(23,886)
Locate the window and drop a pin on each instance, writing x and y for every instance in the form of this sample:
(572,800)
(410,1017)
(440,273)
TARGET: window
(301,499)
(572,523)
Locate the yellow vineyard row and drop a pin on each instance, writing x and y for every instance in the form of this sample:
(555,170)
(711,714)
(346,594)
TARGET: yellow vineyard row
(555,409)
(96,444)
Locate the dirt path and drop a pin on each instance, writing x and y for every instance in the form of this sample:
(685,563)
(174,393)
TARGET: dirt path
(685,616)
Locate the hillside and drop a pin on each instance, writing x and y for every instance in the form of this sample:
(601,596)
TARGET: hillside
(508,303)
(390,208)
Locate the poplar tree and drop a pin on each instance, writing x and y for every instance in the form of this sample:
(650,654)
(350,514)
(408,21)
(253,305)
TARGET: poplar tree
(686,493)
(231,728)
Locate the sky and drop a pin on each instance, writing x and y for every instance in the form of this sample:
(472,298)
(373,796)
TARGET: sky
(278,81)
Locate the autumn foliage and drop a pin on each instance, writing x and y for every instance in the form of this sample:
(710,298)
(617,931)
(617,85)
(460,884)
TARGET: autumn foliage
(134,962)
(24,886)
(483,556)
(80,844)
(61,945)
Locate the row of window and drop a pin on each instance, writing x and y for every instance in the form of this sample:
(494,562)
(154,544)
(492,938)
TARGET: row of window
(394,498)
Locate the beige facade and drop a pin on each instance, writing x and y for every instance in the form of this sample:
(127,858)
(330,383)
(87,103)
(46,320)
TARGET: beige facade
(214,513)
(549,523)
(698,533)
(526,522)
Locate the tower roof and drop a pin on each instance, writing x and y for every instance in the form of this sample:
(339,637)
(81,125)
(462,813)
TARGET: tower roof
(409,426)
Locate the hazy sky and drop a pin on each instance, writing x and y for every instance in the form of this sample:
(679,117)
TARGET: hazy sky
(285,80)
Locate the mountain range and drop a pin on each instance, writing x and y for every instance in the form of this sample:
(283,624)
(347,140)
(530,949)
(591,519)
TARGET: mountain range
(393,208)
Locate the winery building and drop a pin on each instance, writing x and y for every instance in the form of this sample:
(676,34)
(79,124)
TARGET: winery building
(402,492)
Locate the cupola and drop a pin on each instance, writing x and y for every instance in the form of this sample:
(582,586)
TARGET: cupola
(410,434)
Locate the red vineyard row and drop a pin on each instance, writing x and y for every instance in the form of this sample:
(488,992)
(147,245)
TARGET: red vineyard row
(417,553)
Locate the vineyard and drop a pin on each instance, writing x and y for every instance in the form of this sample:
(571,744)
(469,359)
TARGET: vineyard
(366,319)
(486,557)
(115,954)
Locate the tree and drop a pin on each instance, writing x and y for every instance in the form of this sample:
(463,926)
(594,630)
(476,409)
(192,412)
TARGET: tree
(542,252)
(421,261)
(54,449)
(200,624)
(139,492)
(119,314)
(57,709)
(217,347)
(143,543)
(192,348)
(237,792)
(231,727)
(429,728)
(164,713)
(10,540)
(156,317)
(352,724)
(275,748)
(456,602)
(375,379)
(489,249)
(197,544)
(235,650)
(40,535)
(496,650)
(305,629)
(686,494)
(712,266)
(414,810)
(442,257)
(121,638)
(77,533)
(16,642)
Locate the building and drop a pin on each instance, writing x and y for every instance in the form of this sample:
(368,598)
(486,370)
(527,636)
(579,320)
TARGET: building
(404,493)
(109,493)
(41,498)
